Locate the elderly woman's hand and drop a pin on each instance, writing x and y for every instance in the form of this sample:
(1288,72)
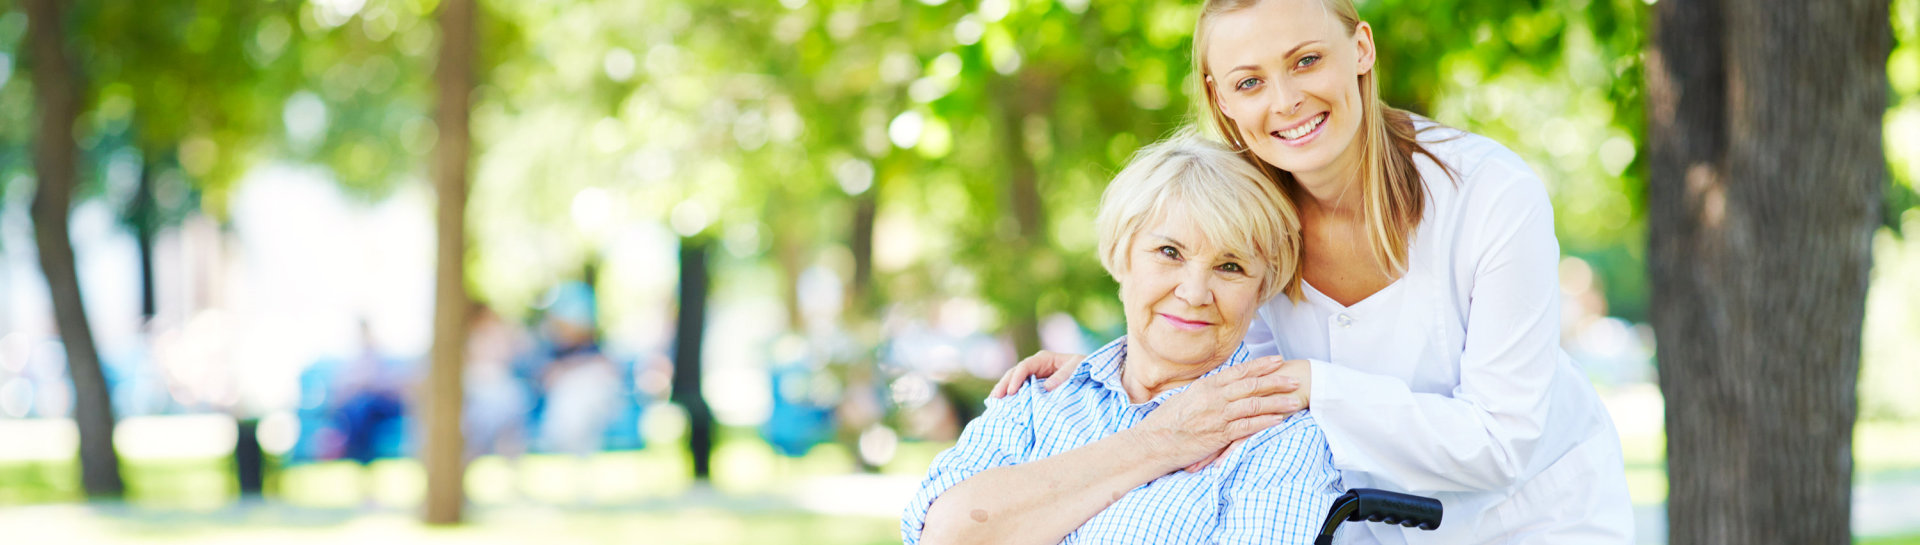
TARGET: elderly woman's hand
(1302,373)
(1197,425)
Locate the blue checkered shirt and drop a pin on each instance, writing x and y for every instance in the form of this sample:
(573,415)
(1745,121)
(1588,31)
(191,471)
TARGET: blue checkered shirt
(1274,488)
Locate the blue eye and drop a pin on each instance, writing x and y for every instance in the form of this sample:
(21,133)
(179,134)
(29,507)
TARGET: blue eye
(1307,61)
(1246,84)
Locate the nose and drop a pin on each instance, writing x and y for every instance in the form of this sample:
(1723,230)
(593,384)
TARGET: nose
(1194,288)
(1287,97)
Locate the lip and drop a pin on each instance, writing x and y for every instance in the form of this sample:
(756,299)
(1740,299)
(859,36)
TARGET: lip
(1182,324)
(1304,139)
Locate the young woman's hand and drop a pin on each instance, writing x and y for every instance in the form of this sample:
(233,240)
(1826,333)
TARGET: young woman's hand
(1052,366)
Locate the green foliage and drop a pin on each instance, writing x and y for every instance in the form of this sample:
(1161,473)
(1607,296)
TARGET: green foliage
(1903,115)
(1561,83)
(769,124)
(995,87)
(171,85)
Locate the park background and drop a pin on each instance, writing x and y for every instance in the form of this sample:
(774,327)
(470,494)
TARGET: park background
(858,213)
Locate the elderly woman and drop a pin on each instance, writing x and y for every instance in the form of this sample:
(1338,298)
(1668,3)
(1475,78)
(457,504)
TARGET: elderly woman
(1198,240)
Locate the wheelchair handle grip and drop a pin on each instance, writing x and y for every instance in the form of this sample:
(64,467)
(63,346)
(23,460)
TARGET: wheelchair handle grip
(1375,505)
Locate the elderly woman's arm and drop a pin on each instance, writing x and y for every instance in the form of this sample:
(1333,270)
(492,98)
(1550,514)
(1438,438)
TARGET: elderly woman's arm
(1044,500)
(988,489)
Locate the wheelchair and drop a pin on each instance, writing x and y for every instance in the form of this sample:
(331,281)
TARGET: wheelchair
(1375,505)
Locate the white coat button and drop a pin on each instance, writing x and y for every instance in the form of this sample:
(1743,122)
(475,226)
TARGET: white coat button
(1344,320)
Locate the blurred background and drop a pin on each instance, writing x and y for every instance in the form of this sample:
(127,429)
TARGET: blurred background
(858,213)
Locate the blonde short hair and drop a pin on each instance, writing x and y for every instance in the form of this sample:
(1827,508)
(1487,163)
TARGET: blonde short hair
(1238,208)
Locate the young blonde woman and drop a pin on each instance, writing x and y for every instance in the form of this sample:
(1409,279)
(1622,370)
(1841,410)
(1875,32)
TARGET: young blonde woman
(1428,341)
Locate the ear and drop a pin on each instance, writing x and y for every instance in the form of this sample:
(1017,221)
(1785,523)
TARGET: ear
(1363,42)
(1213,99)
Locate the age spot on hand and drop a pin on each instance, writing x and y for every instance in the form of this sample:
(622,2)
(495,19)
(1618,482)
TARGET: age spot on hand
(979,515)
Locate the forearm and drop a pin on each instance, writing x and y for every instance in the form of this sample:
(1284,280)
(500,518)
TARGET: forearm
(1044,500)
(1471,441)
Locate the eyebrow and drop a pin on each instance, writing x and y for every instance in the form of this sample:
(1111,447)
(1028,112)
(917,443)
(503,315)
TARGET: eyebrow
(1169,240)
(1229,255)
(1290,53)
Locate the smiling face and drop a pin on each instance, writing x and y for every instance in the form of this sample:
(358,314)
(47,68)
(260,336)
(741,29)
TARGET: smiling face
(1286,74)
(1188,301)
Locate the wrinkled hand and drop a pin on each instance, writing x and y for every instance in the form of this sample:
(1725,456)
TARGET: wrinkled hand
(1302,374)
(1197,426)
(1053,366)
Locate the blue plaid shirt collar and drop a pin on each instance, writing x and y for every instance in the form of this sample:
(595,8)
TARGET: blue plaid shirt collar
(1103,367)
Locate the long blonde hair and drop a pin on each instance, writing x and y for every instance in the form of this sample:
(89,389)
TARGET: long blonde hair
(1393,194)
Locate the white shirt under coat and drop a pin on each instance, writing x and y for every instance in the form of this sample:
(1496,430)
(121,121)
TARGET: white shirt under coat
(1451,381)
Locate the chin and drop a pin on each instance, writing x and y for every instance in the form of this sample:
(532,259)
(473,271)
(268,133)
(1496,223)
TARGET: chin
(1294,160)
(1185,356)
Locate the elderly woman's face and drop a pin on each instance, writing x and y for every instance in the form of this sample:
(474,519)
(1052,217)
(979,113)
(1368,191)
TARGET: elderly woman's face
(1188,301)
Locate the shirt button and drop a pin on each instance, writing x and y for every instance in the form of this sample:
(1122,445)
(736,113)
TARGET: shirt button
(1344,320)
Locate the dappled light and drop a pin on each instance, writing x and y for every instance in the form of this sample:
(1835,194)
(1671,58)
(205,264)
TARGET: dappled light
(858,214)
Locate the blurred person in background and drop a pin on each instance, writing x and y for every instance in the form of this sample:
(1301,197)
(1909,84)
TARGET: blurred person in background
(580,385)
(369,406)
(370,401)
(1197,239)
(1428,343)
(497,400)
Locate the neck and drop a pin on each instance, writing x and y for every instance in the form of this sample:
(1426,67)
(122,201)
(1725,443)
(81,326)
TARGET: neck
(1145,376)
(1334,190)
(1329,198)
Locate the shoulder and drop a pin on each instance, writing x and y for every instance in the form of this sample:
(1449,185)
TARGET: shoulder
(1488,178)
(1464,152)
(1035,399)
(1298,441)
(1291,455)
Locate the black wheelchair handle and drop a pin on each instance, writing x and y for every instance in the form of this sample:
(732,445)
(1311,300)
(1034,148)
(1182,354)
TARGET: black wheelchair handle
(1375,505)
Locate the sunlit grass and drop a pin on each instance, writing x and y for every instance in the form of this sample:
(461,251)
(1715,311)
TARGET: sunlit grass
(609,497)
(1894,540)
(543,526)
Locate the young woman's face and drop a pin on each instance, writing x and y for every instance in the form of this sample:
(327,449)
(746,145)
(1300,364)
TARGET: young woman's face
(1287,73)
(1188,301)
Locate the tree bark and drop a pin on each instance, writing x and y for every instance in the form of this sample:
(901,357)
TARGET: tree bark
(1766,171)
(143,216)
(860,293)
(56,89)
(445,446)
(1019,98)
(688,339)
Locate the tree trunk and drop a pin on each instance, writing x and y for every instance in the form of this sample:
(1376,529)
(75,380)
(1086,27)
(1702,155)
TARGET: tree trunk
(55,159)
(445,445)
(143,215)
(788,252)
(1020,98)
(860,293)
(688,338)
(249,461)
(1766,170)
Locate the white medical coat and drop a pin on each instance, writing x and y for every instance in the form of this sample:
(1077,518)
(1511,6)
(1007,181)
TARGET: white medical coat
(1451,381)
